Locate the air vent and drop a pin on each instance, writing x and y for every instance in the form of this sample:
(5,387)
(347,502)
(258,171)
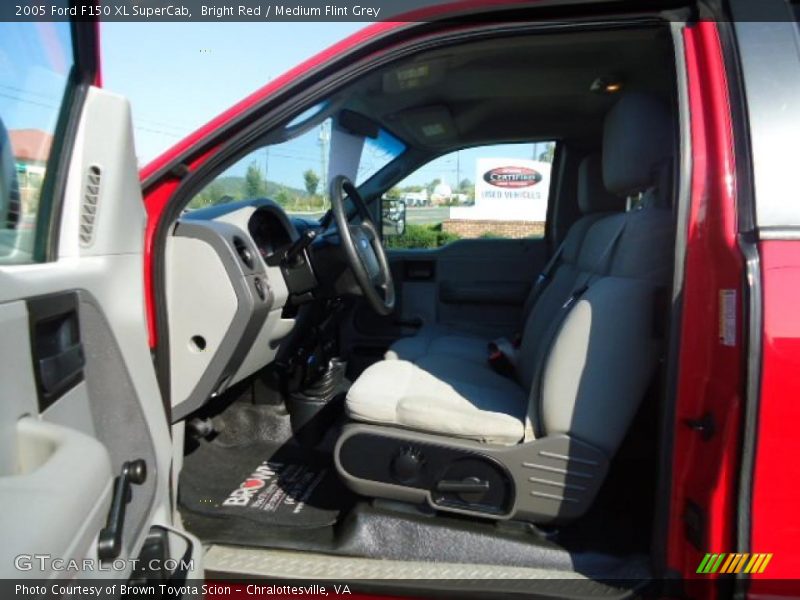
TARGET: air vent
(91,196)
(243,251)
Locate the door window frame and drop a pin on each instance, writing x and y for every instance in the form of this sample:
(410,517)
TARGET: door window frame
(84,72)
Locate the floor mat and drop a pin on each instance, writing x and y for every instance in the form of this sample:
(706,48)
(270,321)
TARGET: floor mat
(227,489)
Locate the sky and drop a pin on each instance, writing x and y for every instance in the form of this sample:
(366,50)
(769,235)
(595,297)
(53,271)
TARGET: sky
(178,76)
(35,59)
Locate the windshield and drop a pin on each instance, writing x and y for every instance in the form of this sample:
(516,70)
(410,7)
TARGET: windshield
(377,153)
(295,173)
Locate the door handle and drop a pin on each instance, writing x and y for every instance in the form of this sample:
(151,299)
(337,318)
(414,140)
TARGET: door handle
(58,357)
(58,370)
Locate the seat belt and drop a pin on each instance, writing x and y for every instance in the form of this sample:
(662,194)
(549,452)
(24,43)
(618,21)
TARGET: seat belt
(542,280)
(581,286)
(502,351)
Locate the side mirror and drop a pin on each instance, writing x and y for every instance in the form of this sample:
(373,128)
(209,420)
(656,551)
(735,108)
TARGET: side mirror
(394,216)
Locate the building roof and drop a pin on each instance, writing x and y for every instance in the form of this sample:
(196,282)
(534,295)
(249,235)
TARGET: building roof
(30,145)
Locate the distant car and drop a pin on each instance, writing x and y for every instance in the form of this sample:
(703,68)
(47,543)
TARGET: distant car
(394,215)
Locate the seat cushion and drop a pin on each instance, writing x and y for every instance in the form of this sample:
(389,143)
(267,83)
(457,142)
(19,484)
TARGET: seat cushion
(440,339)
(482,405)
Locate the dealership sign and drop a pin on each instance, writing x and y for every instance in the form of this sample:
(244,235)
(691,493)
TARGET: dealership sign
(512,177)
(508,189)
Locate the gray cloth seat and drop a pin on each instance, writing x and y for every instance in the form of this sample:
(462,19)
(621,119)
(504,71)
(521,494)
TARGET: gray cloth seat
(589,347)
(434,396)
(594,202)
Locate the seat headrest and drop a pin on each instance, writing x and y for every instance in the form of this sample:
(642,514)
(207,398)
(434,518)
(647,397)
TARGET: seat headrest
(637,140)
(593,197)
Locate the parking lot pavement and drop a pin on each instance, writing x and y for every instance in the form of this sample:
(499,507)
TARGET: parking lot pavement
(427,215)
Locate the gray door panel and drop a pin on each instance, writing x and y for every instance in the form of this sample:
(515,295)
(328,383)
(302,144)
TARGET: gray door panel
(80,395)
(475,285)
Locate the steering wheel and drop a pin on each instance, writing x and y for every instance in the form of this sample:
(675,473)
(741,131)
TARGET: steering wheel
(362,247)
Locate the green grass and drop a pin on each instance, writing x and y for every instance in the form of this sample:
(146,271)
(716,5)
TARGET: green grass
(421,236)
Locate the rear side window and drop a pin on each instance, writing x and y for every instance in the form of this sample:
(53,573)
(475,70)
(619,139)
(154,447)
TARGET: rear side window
(498,191)
(35,64)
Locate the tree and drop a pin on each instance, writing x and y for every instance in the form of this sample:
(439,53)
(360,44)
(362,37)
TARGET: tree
(549,154)
(393,193)
(311,180)
(282,197)
(432,185)
(213,193)
(254,184)
(465,186)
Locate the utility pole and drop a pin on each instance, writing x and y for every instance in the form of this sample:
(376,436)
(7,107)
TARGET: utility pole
(458,170)
(324,138)
(266,157)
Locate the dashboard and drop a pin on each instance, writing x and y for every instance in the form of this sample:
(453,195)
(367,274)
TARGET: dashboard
(229,279)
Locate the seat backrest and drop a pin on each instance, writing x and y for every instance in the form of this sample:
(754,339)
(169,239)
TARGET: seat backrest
(594,202)
(588,365)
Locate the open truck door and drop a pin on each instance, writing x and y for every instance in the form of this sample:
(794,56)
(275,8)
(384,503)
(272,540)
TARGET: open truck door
(86,450)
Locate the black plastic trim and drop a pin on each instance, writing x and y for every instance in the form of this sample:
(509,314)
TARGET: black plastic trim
(43,310)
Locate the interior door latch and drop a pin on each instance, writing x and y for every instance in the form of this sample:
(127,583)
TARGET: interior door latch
(109,543)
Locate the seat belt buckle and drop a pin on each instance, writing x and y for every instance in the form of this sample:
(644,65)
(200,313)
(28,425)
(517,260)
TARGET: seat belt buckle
(499,362)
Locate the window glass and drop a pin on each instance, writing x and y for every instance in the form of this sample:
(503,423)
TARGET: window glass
(35,62)
(290,173)
(294,173)
(487,192)
(377,153)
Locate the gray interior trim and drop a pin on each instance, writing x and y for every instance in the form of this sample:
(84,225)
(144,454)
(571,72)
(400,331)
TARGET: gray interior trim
(309,565)
(537,468)
(275,328)
(120,424)
(250,314)
(47,457)
(416,578)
